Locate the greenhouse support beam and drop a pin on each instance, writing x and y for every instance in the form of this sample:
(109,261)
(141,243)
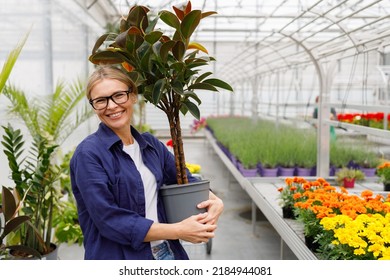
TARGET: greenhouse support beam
(48,47)
(363,129)
(323,133)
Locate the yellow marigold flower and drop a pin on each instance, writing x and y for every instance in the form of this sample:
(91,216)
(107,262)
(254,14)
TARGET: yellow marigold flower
(359,251)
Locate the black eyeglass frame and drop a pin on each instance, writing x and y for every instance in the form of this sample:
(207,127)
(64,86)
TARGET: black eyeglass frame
(111,97)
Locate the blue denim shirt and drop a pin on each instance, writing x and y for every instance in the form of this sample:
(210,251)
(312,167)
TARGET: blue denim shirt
(110,194)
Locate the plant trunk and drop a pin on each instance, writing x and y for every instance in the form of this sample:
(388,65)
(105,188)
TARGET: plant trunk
(49,223)
(177,141)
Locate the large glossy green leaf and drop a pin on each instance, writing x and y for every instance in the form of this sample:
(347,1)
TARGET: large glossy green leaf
(9,203)
(194,110)
(178,50)
(100,41)
(165,49)
(202,77)
(193,95)
(158,90)
(145,62)
(197,59)
(106,57)
(121,40)
(143,49)
(170,19)
(157,50)
(177,87)
(190,23)
(203,86)
(152,25)
(178,67)
(206,14)
(136,77)
(14,224)
(153,37)
(196,64)
(135,41)
(218,83)
(136,17)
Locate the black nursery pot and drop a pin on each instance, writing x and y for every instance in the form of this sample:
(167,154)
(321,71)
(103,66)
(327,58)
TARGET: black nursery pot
(288,213)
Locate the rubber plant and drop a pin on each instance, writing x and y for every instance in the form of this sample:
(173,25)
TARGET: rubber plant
(10,207)
(166,68)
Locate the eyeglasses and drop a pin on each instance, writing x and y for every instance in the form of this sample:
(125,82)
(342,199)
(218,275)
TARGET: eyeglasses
(118,97)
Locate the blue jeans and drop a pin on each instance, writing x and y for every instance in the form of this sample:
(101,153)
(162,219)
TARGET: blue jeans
(162,252)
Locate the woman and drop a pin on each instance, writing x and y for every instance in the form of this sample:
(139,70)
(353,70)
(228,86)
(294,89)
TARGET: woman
(116,173)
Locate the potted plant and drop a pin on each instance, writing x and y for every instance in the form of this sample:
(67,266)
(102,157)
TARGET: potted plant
(34,176)
(289,194)
(383,171)
(49,121)
(348,176)
(366,160)
(11,223)
(167,75)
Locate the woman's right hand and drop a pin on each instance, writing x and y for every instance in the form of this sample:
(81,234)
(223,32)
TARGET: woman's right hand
(193,231)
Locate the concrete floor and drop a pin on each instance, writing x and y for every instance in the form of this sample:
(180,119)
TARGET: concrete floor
(236,238)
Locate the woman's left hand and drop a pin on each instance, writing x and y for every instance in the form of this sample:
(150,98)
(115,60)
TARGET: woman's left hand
(214,206)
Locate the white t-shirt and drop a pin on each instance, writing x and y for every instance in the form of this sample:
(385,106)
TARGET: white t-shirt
(149,181)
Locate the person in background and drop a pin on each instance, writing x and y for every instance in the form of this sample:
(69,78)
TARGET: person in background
(333,116)
(116,174)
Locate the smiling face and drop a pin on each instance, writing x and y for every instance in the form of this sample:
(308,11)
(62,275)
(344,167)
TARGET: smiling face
(116,116)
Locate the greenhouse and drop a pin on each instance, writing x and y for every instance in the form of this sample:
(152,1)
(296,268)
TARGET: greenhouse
(279,109)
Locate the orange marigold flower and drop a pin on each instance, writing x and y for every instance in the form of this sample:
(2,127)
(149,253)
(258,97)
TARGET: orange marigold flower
(326,184)
(289,181)
(343,190)
(321,180)
(315,184)
(297,196)
(301,180)
(366,194)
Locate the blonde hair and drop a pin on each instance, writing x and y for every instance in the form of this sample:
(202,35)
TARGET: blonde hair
(109,72)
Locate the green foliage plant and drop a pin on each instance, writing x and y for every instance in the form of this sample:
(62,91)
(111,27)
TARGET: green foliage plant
(284,145)
(54,116)
(349,173)
(67,225)
(50,120)
(34,176)
(13,221)
(366,158)
(163,65)
(383,171)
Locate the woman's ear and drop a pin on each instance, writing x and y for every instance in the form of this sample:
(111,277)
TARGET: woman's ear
(134,98)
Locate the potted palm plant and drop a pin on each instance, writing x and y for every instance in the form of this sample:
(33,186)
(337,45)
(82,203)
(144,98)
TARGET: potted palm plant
(49,121)
(166,73)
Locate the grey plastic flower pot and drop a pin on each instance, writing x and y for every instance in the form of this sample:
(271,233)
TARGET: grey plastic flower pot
(180,201)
